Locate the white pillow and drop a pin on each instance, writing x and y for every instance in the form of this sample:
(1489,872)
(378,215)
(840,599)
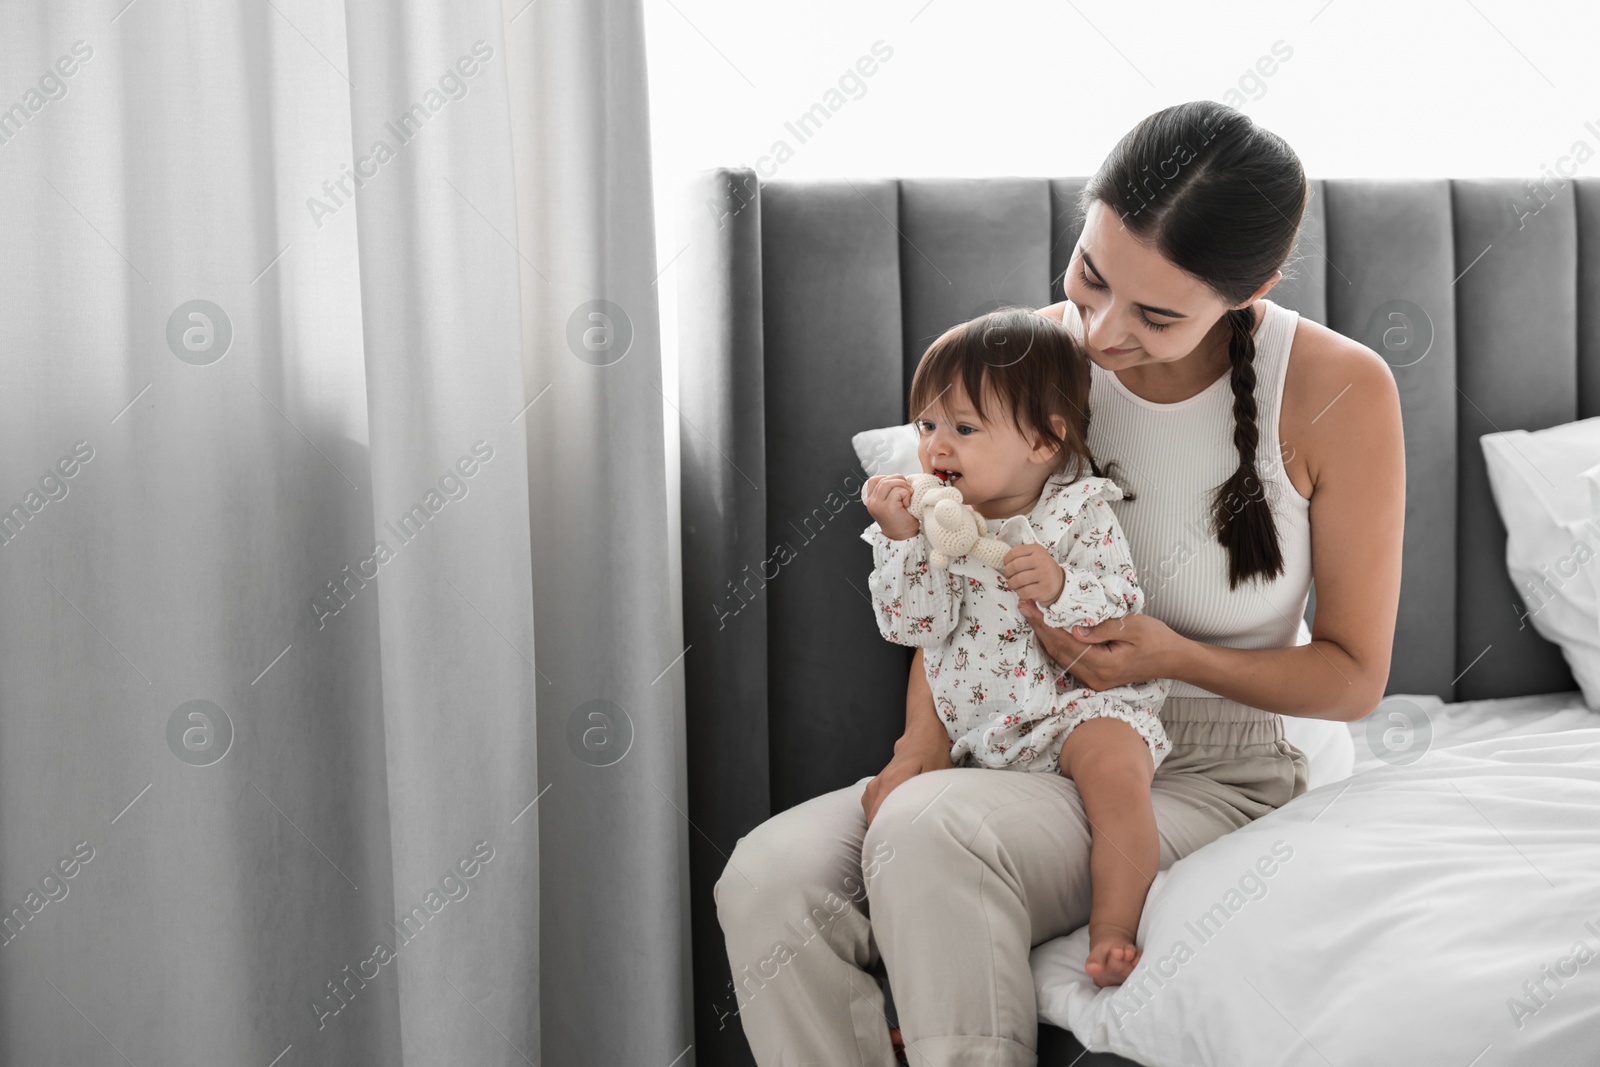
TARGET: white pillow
(890,450)
(1544,486)
(1330,750)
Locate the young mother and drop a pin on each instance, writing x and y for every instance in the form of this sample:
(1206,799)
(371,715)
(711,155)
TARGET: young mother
(1263,451)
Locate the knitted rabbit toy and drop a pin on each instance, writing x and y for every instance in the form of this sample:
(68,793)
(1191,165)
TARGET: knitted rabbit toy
(952,528)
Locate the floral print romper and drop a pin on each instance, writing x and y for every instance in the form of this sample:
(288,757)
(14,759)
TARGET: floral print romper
(1005,703)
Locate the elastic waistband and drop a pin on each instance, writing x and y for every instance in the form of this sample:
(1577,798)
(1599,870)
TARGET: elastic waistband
(1181,688)
(1218,721)
(1211,709)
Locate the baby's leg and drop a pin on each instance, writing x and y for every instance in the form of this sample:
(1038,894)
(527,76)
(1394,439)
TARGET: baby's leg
(1111,765)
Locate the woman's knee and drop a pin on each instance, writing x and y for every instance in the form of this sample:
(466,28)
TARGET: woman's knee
(755,876)
(918,815)
(911,800)
(775,874)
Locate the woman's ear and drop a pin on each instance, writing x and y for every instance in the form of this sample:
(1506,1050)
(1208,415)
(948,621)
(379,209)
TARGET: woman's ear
(1266,287)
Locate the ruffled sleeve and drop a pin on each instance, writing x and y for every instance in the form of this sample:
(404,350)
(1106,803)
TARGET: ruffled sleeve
(1100,579)
(915,603)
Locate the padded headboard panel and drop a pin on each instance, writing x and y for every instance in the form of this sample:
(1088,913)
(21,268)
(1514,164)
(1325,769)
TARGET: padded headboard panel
(843,284)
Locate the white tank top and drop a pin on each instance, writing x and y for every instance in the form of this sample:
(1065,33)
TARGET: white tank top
(1173,456)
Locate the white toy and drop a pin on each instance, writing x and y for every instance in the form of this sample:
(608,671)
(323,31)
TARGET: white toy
(952,528)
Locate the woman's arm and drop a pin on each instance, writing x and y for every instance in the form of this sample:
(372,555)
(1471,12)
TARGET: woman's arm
(923,728)
(925,746)
(1348,429)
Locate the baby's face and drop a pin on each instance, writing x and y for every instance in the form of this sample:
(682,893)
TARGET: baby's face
(985,460)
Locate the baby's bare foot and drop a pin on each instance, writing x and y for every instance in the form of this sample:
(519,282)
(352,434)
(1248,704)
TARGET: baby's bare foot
(1112,954)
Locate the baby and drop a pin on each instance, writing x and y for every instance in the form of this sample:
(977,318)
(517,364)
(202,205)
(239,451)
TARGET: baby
(1018,454)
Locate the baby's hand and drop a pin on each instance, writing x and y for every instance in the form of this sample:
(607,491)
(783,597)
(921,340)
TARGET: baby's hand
(888,498)
(1033,574)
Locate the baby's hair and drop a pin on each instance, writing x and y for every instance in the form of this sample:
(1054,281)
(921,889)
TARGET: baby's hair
(1027,366)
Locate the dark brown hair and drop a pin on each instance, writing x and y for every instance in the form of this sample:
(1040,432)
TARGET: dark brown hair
(1030,366)
(1221,199)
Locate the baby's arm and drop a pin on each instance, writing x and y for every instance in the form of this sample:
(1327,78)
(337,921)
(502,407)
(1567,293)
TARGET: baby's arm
(1100,581)
(1101,585)
(916,604)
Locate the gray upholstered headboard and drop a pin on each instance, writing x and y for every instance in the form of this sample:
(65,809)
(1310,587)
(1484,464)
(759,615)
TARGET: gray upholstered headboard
(804,308)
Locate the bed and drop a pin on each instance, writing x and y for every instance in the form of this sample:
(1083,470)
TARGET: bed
(803,309)
(1500,804)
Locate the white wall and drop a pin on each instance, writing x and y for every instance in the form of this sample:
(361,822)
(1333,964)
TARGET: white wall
(1437,88)
(1045,87)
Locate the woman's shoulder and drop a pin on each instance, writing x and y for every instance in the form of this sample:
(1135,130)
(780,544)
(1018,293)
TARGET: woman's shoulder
(1323,362)
(1058,312)
(1329,374)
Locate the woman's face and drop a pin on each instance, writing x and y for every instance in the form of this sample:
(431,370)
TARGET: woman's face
(1135,306)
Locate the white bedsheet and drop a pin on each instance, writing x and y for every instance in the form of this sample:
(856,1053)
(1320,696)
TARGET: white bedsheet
(1442,911)
(1481,720)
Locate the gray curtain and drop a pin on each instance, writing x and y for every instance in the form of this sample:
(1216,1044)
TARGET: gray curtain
(334,558)
(611,703)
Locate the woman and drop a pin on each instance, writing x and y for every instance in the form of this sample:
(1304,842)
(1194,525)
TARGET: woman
(1246,434)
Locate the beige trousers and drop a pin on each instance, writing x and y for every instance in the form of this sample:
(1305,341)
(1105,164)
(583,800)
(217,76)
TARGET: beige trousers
(960,874)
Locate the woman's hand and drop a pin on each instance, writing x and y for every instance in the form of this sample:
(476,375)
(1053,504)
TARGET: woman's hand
(1120,651)
(912,756)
